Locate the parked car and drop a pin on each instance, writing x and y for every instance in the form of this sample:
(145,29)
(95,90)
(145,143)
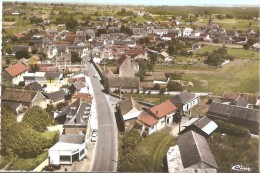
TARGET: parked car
(94,136)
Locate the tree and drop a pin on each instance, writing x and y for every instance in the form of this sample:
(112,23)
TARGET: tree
(50,109)
(71,24)
(75,57)
(22,54)
(156,87)
(101,31)
(174,86)
(8,50)
(34,51)
(37,118)
(34,67)
(18,139)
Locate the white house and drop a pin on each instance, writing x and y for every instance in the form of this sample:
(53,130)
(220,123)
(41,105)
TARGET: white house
(70,148)
(157,117)
(14,74)
(39,77)
(129,108)
(185,101)
(187,32)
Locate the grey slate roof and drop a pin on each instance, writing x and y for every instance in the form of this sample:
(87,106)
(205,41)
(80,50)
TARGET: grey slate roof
(124,82)
(56,96)
(52,74)
(35,86)
(75,139)
(12,105)
(128,104)
(78,119)
(202,122)
(79,85)
(239,102)
(194,149)
(17,48)
(182,98)
(227,111)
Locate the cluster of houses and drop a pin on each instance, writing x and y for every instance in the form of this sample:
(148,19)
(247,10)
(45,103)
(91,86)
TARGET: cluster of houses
(50,88)
(149,120)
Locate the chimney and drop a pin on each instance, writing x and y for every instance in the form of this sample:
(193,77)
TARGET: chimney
(156,112)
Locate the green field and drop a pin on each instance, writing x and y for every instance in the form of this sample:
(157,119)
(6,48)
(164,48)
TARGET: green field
(239,78)
(150,154)
(237,53)
(150,98)
(230,24)
(230,151)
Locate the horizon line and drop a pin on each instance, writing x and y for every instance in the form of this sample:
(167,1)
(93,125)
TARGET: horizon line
(129,4)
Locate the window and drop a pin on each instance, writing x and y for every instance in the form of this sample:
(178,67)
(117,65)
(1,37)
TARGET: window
(162,122)
(82,152)
(65,158)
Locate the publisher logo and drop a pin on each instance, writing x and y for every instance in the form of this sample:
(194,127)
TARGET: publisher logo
(240,168)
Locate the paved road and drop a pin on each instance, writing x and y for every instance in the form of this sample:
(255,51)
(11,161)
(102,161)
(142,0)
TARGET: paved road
(106,153)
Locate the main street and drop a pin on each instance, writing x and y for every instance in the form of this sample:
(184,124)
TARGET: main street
(105,156)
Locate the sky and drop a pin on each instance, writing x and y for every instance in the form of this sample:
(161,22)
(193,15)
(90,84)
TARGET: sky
(223,3)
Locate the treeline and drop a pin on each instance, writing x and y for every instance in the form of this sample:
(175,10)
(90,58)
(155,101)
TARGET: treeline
(236,12)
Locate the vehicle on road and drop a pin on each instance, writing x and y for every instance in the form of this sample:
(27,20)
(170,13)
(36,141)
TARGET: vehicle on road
(94,136)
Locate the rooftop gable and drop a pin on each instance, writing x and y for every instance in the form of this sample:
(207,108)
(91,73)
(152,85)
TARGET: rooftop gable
(194,149)
(163,109)
(16,69)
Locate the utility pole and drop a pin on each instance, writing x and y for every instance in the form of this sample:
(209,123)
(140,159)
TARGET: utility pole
(180,116)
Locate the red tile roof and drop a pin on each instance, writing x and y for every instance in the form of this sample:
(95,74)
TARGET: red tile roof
(163,109)
(78,79)
(147,119)
(135,52)
(16,69)
(19,35)
(83,97)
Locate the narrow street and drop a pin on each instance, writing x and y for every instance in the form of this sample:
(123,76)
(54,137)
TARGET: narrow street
(106,154)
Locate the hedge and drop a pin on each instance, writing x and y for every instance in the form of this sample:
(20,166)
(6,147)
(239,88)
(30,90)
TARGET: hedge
(232,129)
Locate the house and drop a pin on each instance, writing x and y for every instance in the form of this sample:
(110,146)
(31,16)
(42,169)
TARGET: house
(77,123)
(17,48)
(160,31)
(147,123)
(157,117)
(195,151)
(56,97)
(17,107)
(53,77)
(12,75)
(128,110)
(255,47)
(34,86)
(28,78)
(83,97)
(126,84)
(135,52)
(164,113)
(40,77)
(243,116)
(251,99)
(127,67)
(185,101)
(203,126)
(68,149)
(239,101)
(187,32)
(27,98)
(175,31)
(75,87)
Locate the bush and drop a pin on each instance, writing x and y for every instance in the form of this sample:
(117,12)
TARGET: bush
(156,87)
(29,164)
(174,86)
(133,138)
(231,129)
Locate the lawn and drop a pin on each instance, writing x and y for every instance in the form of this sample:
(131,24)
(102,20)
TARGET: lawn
(242,77)
(139,19)
(230,151)
(237,53)
(150,98)
(150,154)
(231,24)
